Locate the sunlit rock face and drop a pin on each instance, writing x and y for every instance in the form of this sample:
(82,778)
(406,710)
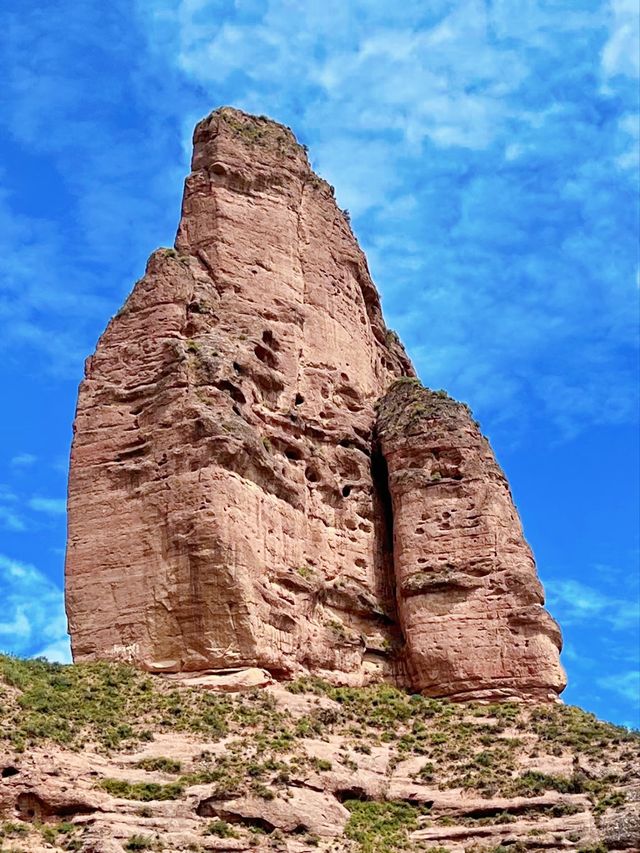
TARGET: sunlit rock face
(469,600)
(232,499)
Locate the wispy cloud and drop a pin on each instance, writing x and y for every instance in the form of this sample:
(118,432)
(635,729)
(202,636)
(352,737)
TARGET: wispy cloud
(620,54)
(23,460)
(10,520)
(486,154)
(33,619)
(626,684)
(10,515)
(49,506)
(61,276)
(485,151)
(578,603)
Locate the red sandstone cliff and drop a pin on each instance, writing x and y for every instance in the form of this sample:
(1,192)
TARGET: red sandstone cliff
(229,498)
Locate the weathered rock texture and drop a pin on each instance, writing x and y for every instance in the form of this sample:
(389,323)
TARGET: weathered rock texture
(469,600)
(228,498)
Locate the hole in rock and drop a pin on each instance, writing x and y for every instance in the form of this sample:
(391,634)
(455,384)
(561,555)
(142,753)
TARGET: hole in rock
(312,475)
(232,390)
(212,808)
(413,801)
(133,453)
(365,434)
(354,793)
(269,340)
(265,356)
(218,169)
(238,368)
(293,454)
(9,771)
(346,491)
(34,808)
(299,400)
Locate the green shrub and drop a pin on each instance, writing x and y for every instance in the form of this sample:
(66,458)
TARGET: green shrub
(161,763)
(221,829)
(140,842)
(381,827)
(145,791)
(10,828)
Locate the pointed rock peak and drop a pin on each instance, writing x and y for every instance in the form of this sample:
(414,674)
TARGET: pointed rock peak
(228,135)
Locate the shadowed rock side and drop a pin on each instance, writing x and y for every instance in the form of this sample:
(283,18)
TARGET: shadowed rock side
(228,495)
(469,600)
(221,504)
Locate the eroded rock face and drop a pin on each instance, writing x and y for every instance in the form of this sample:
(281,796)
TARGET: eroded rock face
(228,497)
(222,510)
(469,600)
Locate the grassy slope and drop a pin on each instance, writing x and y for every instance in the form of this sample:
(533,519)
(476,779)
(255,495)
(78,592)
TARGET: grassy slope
(476,747)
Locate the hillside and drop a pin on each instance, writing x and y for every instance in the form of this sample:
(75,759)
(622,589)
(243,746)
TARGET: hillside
(102,758)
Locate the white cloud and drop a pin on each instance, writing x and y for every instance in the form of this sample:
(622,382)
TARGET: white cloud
(625,684)
(49,506)
(23,460)
(621,54)
(58,652)
(19,628)
(629,126)
(577,603)
(10,518)
(503,269)
(33,617)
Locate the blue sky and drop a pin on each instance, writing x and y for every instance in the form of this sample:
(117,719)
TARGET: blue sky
(488,154)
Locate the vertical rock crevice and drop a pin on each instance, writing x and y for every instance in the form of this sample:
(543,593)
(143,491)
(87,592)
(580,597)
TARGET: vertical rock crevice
(384,569)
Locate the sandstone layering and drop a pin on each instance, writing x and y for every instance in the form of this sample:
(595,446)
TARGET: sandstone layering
(259,480)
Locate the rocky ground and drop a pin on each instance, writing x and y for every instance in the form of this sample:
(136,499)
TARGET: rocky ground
(101,758)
